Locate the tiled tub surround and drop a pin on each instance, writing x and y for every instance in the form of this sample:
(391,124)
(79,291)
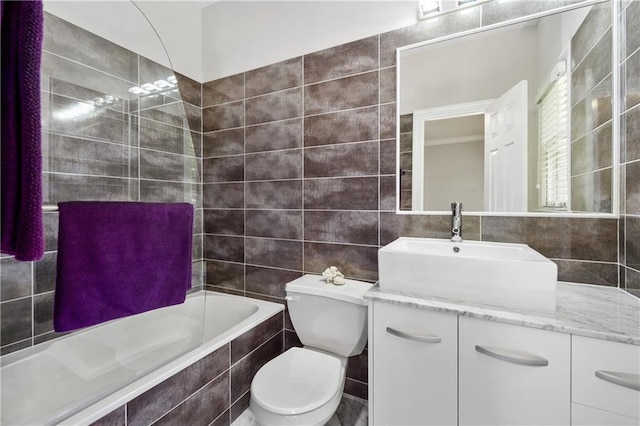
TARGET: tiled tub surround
(582,310)
(207,386)
(299,173)
(145,149)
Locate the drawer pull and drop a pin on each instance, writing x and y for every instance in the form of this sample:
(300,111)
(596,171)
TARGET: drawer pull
(510,355)
(414,337)
(627,380)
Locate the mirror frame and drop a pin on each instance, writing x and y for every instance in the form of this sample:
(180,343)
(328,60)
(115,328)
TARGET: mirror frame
(615,73)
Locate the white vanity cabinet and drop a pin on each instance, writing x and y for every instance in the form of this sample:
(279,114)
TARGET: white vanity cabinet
(605,382)
(414,366)
(513,375)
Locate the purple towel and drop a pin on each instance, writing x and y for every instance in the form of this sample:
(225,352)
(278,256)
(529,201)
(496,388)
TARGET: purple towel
(21,25)
(117,259)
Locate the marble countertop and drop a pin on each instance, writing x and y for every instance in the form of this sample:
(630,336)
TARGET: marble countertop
(585,310)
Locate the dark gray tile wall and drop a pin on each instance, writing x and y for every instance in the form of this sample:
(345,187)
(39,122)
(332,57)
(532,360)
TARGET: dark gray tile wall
(629,254)
(591,113)
(211,391)
(102,143)
(317,134)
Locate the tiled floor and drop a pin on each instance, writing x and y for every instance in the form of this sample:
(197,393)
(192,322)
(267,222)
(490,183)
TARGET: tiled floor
(352,411)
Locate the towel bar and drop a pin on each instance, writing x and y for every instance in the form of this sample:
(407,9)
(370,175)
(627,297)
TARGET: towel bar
(50,208)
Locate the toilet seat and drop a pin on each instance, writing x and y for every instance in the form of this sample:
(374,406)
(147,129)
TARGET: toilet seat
(298,381)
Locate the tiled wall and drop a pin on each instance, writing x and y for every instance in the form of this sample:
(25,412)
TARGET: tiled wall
(299,174)
(591,113)
(212,391)
(630,148)
(100,148)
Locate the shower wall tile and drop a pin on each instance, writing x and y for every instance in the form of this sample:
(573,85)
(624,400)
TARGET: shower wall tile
(50,231)
(354,159)
(357,262)
(632,194)
(165,166)
(42,313)
(592,151)
(588,272)
(593,69)
(268,281)
(223,195)
(275,77)
(223,169)
(274,106)
(388,85)
(224,90)
(115,418)
(631,79)
(393,226)
(17,320)
(225,274)
(341,227)
(388,193)
(596,23)
(283,194)
(592,192)
(15,281)
(223,142)
(346,126)
(274,136)
(341,193)
(190,90)
(340,61)
(388,121)
(61,38)
(163,137)
(222,117)
(227,248)
(61,187)
(227,222)
(274,253)
(44,273)
(285,224)
(632,134)
(388,157)
(345,93)
(274,165)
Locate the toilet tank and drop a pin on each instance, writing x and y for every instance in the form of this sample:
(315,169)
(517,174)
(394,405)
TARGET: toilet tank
(329,317)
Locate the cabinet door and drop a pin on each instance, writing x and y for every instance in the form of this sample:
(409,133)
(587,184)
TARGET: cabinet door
(512,375)
(588,416)
(414,366)
(606,375)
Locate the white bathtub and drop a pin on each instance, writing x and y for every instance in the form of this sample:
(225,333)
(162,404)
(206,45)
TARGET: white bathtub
(83,376)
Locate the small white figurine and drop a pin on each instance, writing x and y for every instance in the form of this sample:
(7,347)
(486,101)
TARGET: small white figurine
(333,276)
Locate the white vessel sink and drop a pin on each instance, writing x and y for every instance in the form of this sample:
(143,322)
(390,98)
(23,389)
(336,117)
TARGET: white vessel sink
(503,274)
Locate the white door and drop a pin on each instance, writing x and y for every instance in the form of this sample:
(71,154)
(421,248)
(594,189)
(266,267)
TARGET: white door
(505,152)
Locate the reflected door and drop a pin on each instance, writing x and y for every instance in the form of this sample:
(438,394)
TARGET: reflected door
(505,152)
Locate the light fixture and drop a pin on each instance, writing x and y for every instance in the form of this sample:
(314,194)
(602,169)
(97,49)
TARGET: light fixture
(465,2)
(149,87)
(428,8)
(162,84)
(135,90)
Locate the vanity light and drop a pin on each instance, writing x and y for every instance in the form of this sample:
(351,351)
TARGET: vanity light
(428,8)
(135,90)
(162,84)
(149,87)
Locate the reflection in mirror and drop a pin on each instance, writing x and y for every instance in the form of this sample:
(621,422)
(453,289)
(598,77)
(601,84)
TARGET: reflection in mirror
(517,118)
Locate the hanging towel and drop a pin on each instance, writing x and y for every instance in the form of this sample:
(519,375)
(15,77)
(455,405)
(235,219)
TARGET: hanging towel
(117,259)
(21,24)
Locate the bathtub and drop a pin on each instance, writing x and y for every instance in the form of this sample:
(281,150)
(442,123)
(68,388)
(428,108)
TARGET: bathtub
(79,378)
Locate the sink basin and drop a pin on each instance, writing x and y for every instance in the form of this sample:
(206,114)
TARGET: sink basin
(502,274)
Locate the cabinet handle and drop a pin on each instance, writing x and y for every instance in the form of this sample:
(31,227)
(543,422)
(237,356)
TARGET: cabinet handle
(414,337)
(627,380)
(510,355)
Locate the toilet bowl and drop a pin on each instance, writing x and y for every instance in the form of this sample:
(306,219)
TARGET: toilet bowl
(303,386)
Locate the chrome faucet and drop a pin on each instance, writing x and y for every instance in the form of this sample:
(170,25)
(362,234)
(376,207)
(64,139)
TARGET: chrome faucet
(456,222)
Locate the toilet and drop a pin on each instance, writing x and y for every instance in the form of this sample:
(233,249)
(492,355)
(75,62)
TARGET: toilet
(303,386)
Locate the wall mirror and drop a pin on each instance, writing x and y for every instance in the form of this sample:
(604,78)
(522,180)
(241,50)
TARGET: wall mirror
(515,118)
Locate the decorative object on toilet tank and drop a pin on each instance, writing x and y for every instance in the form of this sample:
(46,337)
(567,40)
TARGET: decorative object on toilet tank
(333,276)
(21,195)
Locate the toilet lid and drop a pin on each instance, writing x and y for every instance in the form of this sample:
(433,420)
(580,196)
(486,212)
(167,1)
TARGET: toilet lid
(296,382)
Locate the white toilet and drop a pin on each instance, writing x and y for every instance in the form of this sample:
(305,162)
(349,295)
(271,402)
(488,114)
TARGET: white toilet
(303,386)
